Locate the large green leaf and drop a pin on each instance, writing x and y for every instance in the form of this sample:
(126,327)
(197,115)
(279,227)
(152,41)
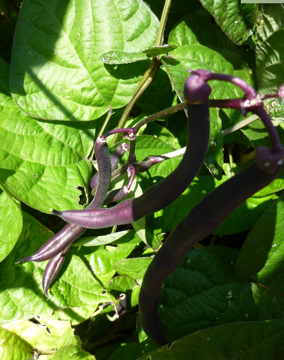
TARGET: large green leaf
(72,352)
(270,49)
(21,295)
(249,341)
(228,15)
(56,68)
(189,32)
(42,163)
(101,259)
(205,276)
(11,222)
(45,336)
(13,347)
(133,267)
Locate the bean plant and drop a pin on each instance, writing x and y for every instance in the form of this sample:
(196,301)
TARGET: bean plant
(141,180)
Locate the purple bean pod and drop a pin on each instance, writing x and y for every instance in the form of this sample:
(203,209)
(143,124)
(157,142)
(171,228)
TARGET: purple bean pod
(214,208)
(115,158)
(52,269)
(199,223)
(71,232)
(165,192)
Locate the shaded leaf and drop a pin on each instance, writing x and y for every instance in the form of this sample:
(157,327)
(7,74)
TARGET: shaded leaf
(205,276)
(269,49)
(228,15)
(251,340)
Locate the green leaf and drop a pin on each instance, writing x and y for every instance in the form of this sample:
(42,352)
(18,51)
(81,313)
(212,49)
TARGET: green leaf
(42,163)
(262,258)
(133,267)
(46,335)
(162,133)
(189,32)
(205,276)
(127,352)
(214,156)
(56,70)
(13,345)
(75,315)
(11,221)
(269,49)
(105,239)
(72,352)
(264,243)
(252,340)
(101,259)
(117,57)
(126,285)
(228,15)
(76,286)
(159,50)
(159,95)
(26,299)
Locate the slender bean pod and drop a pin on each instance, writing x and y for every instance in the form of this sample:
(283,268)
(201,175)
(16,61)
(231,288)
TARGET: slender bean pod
(206,216)
(70,232)
(52,269)
(114,160)
(200,222)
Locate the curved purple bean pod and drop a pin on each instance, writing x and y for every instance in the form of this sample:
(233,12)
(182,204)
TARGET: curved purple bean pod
(71,232)
(165,192)
(52,269)
(115,158)
(200,222)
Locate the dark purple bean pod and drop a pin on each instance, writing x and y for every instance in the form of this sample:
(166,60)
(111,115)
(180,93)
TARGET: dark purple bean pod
(52,269)
(165,192)
(115,158)
(199,223)
(71,232)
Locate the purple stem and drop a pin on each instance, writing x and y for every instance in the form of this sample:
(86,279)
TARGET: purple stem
(206,75)
(128,133)
(276,145)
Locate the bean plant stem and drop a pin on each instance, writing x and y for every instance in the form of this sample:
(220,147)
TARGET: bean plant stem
(109,114)
(267,287)
(160,36)
(144,83)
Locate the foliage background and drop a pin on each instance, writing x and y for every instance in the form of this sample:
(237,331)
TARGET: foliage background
(226,298)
